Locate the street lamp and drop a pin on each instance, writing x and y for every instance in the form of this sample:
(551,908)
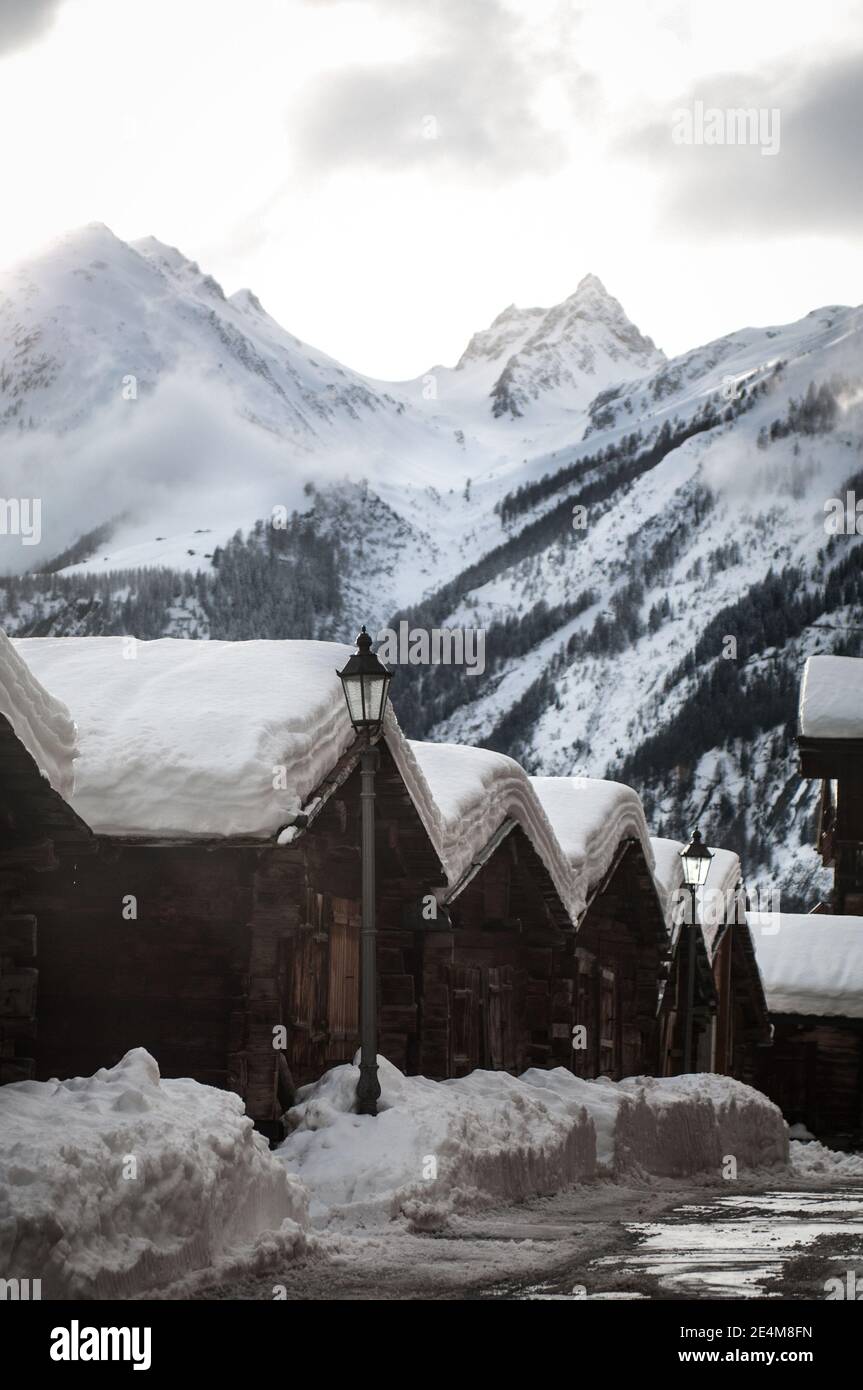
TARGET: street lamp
(695,860)
(366,681)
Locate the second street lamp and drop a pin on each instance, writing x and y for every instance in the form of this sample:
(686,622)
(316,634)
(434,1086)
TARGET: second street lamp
(695,859)
(366,681)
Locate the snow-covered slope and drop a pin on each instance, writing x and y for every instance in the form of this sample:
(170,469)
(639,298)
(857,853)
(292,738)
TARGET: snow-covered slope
(657,635)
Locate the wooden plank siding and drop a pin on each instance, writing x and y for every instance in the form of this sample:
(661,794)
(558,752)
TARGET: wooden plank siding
(814,1073)
(235,940)
(36,827)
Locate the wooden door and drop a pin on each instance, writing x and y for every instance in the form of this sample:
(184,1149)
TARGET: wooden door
(500,1044)
(306,1002)
(466,1014)
(607,1022)
(343,1004)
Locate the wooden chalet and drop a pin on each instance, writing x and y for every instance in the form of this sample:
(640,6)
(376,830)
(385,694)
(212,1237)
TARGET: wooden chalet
(207,905)
(554,923)
(812,965)
(830,745)
(731,1024)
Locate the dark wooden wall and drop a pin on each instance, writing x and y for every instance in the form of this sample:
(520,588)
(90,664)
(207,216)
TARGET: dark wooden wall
(814,1073)
(36,827)
(840,830)
(229,942)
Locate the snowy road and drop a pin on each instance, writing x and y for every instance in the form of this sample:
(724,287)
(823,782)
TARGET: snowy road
(770,1240)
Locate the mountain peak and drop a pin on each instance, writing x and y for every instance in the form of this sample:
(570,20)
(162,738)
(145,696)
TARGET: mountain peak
(577,348)
(246,299)
(590,282)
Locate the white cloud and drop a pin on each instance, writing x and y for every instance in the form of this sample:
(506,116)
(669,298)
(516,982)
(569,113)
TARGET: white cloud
(279,144)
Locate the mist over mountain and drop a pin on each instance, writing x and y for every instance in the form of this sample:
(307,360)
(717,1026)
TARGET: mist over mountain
(203,472)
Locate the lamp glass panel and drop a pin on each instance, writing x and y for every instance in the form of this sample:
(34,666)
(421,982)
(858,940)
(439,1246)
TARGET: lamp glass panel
(365,697)
(375,689)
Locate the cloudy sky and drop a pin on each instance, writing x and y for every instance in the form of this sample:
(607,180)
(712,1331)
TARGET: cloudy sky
(387,175)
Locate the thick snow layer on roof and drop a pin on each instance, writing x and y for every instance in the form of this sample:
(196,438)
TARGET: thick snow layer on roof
(590,817)
(194,738)
(810,964)
(496,1137)
(188,737)
(40,721)
(74,1212)
(831,697)
(474,790)
(574,823)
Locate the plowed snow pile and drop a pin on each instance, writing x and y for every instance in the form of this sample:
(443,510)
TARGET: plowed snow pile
(122,1181)
(815,1158)
(436,1147)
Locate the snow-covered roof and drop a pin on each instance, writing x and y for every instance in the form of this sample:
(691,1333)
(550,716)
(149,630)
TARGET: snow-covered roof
(474,790)
(590,817)
(831,697)
(191,738)
(574,823)
(40,721)
(810,964)
(188,737)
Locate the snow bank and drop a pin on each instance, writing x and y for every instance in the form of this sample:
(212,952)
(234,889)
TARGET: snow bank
(831,697)
(122,1181)
(41,722)
(199,729)
(435,1146)
(814,1158)
(438,1147)
(810,964)
(673,1126)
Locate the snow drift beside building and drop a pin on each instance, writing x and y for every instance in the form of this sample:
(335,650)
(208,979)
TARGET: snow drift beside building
(438,1147)
(122,1181)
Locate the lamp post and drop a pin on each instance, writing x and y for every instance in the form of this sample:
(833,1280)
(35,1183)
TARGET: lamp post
(365,681)
(695,859)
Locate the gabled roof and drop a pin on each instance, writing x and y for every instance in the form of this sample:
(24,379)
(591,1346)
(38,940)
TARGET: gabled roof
(189,739)
(576,824)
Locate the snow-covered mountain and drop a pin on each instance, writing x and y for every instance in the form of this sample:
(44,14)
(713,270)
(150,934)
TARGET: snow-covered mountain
(656,633)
